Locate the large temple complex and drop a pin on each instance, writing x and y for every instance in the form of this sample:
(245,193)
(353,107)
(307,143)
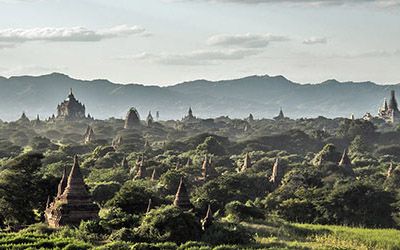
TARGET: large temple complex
(71,109)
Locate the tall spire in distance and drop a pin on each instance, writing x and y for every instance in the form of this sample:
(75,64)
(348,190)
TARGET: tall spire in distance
(393,102)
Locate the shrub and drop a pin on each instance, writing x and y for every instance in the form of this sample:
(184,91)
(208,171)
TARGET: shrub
(169,223)
(227,233)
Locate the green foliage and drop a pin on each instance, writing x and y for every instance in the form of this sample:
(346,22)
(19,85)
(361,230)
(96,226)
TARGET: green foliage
(133,197)
(169,223)
(103,192)
(19,190)
(239,211)
(227,233)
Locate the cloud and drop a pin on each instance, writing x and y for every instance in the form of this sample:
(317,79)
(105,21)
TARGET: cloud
(198,57)
(382,3)
(245,40)
(73,34)
(315,40)
(6,46)
(31,69)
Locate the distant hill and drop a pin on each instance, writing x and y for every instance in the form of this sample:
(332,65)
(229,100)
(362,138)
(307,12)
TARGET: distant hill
(260,95)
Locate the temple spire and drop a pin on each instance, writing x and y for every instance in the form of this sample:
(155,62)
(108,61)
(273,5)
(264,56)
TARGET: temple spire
(208,219)
(124,163)
(247,163)
(345,160)
(393,102)
(182,199)
(63,183)
(141,173)
(148,206)
(207,170)
(277,173)
(154,175)
(48,202)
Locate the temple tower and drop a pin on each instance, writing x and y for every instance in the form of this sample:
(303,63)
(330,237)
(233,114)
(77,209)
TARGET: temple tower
(182,199)
(74,204)
(132,119)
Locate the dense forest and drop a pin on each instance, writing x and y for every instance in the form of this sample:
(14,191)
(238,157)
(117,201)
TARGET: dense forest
(279,174)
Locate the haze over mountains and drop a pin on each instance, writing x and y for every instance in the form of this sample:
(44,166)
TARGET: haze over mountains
(260,95)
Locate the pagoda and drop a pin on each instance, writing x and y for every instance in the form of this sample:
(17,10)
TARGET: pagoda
(73,203)
(132,119)
(71,109)
(182,199)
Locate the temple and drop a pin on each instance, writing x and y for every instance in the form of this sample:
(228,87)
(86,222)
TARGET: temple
(149,119)
(207,221)
(89,136)
(182,199)
(207,170)
(277,173)
(247,163)
(189,116)
(389,112)
(141,170)
(73,203)
(345,163)
(132,119)
(280,116)
(71,109)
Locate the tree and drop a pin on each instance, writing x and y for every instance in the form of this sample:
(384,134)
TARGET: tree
(359,204)
(19,190)
(212,146)
(170,223)
(133,197)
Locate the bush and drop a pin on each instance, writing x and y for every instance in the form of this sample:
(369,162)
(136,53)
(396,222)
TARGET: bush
(169,223)
(227,233)
(239,211)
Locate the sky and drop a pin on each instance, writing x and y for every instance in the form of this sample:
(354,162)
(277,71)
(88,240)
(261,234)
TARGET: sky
(163,42)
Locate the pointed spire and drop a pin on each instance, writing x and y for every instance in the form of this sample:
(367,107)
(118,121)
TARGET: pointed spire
(247,163)
(188,162)
(345,160)
(277,173)
(48,202)
(393,102)
(149,119)
(74,204)
(178,165)
(154,176)
(390,170)
(208,219)
(148,206)
(63,183)
(76,188)
(124,163)
(385,105)
(182,199)
(207,170)
(141,173)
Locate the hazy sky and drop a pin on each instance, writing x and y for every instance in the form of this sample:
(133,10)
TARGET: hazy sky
(164,42)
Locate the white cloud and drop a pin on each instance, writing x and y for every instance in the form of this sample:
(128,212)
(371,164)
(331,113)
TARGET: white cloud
(72,34)
(31,69)
(382,3)
(6,46)
(198,57)
(245,40)
(315,40)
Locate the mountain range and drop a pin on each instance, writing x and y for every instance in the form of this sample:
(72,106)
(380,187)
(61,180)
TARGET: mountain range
(262,96)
